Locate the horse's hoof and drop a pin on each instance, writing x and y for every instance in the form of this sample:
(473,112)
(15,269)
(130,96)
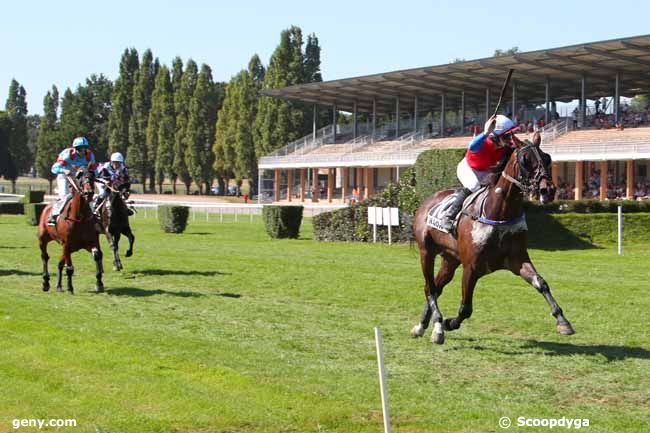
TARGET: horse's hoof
(99,288)
(417,331)
(129,253)
(70,291)
(446,325)
(46,287)
(59,289)
(565,329)
(116,268)
(438,335)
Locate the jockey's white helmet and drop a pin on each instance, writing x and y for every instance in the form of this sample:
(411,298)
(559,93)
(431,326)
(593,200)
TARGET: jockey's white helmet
(117,157)
(503,125)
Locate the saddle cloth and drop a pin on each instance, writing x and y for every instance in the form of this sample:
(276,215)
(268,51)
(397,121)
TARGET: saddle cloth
(436,215)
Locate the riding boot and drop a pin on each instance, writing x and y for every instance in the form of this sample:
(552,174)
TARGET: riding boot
(455,207)
(56,210)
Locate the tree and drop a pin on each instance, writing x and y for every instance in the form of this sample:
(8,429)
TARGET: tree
(510,52)
(161,127)
(7,166)
(121,101)
(16,108)
(138,159)
(200,129)
(277,123)
(182,98)
(93,110)
(69,123)
(256,70)
(177,155)
(47,142)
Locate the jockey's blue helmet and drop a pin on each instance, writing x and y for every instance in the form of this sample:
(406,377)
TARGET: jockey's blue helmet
(80,142)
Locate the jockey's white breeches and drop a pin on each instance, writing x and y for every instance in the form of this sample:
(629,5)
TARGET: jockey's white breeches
(470,178)
(62,186)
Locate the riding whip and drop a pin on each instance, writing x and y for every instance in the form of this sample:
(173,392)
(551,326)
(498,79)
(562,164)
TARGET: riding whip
(503,91)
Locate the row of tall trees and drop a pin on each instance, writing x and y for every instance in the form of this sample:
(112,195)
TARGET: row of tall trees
(171,123)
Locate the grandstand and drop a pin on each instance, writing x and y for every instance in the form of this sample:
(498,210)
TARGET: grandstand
(600,149)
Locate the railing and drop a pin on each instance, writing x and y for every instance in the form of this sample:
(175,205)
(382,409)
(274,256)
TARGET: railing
(554,130)
(608,149)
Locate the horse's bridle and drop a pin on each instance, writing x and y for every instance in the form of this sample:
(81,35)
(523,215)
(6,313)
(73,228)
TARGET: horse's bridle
(524,181)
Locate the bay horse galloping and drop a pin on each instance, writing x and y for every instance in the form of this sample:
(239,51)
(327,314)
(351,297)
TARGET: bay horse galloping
(115,221)
(491,234)
(74,230)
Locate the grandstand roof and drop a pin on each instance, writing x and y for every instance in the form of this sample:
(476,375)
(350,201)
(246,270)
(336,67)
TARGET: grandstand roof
(564,67)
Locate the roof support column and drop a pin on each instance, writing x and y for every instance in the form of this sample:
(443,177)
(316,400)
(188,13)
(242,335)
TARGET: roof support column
(583,101)
(487,104)
(313,123)
(443,117)
(462,112)
(354,120)
(374,118)
(334,112)
(315,189)
(617,97)
(579,180)
(396,117)
(603,180)
(629,179)
(415,114)
(289,184)
(302,185)
(514,101)
(547,102)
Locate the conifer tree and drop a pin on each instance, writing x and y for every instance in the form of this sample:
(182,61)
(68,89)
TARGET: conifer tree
(138,158)
(47,147)
(177,75)
(166,131)
(121,102)
(16,108)
(200,129)
(182,98)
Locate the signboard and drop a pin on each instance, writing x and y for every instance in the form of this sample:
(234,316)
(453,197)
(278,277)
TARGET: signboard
(383,216)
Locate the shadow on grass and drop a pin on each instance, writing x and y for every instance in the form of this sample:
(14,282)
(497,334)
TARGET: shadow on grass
(229,295)
(138,293)
(9,247)
(528,347)
(547,233)
(611,352)
(8,272)
(159,272)
(199,233)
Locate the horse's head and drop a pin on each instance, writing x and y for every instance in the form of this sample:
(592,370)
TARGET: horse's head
(86,179)
(532,168)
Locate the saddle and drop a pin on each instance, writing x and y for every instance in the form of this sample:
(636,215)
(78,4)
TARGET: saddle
(436,215)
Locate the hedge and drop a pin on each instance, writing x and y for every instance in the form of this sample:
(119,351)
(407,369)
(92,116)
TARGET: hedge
(12,208)
(435,170)
(282,221)
(589,206)
(33,212)
(173,219)
(33,197)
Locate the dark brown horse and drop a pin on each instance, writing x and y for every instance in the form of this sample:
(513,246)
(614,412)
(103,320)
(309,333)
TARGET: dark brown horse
(75,229)
(491,235)
(115,221)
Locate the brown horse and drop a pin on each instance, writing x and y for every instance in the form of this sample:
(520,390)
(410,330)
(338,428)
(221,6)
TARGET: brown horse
(74,230)
(491,234)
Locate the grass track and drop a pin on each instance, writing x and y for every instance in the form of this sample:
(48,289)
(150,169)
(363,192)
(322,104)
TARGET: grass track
(222,330)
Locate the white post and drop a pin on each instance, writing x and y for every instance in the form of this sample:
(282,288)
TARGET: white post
(382,380)
(620,230)
(145,212)
(374,233)
(220,214)
(193,214)
(250,215)
(236,214)
(390,238)
(206,214)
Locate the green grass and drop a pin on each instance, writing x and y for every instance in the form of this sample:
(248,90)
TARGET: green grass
(222,330)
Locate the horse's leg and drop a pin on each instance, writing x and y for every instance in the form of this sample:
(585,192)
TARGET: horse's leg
(445,274)
(465,311)
(129,234)
(44,258)
(59,276)
(69,269)
(113,241)
(527,271)
(99,267)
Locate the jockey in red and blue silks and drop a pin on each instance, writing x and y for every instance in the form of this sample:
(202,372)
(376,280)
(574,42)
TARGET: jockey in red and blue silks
(483,152)
(68,161)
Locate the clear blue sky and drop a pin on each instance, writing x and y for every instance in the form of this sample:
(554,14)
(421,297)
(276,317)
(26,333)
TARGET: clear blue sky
(63,42)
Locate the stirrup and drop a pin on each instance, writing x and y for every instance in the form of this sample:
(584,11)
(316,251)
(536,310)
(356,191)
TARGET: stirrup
(51,221)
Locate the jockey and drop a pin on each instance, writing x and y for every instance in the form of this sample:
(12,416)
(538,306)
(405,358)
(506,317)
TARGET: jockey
(115,175)
(484,151)
(69,160)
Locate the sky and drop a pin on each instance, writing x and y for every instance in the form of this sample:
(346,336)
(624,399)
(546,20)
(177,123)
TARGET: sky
(63,42)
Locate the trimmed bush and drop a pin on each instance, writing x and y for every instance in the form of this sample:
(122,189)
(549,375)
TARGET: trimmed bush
(33,212)
(282,221)
(435,170)
(173,219)
(33,197)
(589,206)
(12,208)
